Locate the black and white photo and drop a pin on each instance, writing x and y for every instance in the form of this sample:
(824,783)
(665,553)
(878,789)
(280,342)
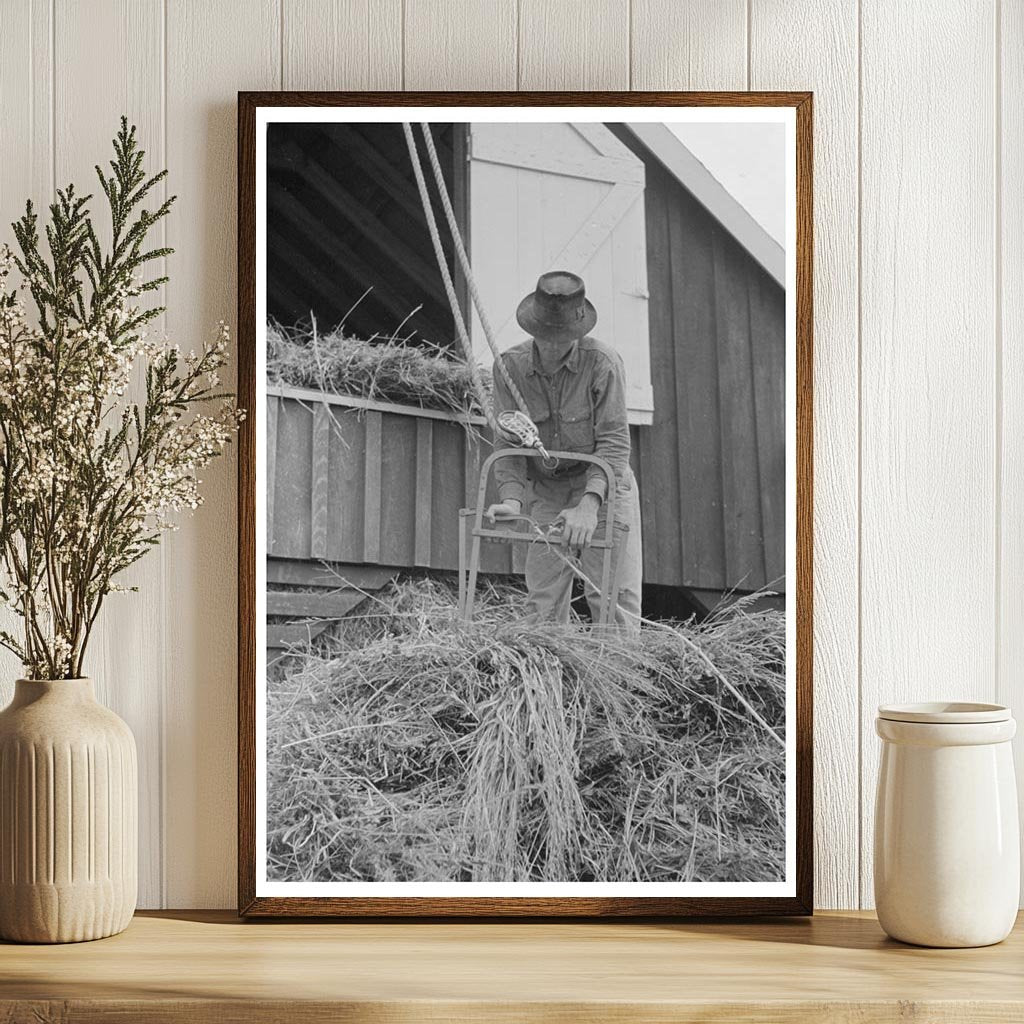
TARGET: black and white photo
(525,504)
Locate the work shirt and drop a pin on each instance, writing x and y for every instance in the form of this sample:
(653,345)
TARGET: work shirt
(581,407)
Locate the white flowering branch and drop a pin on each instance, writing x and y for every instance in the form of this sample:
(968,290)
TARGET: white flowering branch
(89,478)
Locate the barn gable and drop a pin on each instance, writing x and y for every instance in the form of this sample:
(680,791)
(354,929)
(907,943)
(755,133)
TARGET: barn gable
(711,465)
(659,141)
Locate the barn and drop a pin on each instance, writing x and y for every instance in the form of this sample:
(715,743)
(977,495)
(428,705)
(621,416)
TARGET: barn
(689,289)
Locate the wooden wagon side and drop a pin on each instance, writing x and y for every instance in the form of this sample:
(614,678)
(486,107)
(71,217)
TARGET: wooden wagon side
(358,491)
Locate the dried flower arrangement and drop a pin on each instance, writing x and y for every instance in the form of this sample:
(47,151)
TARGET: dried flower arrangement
(90,477)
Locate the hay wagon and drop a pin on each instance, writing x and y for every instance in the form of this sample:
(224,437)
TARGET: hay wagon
(358,491)
(689,289)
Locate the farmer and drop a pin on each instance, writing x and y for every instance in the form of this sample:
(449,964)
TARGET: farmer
(575,388)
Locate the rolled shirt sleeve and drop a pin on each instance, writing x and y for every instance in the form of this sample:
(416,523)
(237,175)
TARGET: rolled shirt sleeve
(510,472)
(611,424)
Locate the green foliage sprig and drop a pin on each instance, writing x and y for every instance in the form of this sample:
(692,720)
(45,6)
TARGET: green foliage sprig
(89,477)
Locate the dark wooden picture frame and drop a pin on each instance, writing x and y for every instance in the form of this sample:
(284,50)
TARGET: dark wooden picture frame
(585,906)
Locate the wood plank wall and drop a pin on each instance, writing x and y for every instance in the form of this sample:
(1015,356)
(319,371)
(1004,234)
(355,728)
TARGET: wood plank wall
(918,310)
(714,457)
(372,487)
(376,485)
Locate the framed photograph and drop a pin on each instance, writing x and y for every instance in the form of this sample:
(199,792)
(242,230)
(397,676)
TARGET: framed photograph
(525,504)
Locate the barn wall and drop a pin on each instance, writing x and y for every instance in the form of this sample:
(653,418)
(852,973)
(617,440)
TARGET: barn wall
(919,354)
(711,466)
(377,486)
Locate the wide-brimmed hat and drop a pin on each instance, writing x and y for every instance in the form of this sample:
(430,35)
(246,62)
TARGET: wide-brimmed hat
(558,309)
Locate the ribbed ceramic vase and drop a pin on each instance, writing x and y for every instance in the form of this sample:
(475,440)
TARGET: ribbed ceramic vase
(68,815)
(947,847)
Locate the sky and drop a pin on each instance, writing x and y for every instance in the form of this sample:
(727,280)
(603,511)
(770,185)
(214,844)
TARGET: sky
(749,161)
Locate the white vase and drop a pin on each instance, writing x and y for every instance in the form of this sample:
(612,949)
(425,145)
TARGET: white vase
(68,815)
(947,847)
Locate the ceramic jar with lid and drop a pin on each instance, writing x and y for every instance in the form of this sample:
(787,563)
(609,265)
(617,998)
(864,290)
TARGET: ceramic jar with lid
(947,846)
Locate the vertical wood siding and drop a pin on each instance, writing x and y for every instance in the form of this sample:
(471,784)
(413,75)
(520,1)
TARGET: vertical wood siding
(371,487)
(829,65)
(128,667)
(210,52)
(1009,274)
(712,464)
(929,362)
(919,349)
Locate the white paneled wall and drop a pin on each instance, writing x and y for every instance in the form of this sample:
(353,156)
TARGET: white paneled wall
(919,323)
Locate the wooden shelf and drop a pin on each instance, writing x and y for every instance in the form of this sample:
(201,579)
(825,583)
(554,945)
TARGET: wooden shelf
(210,967)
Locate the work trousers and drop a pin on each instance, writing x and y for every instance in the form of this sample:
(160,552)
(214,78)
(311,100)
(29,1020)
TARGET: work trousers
(549,576)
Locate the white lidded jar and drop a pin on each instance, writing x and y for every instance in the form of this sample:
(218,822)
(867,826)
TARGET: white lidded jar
(947,847)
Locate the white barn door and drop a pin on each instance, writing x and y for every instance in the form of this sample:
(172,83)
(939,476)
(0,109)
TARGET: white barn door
(562,197)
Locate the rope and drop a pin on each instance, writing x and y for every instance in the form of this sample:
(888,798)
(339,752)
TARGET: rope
(517,426)
(460,249)
(482,397)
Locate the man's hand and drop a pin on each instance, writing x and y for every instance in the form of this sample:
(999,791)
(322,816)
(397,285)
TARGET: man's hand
(580,521)
(508,507)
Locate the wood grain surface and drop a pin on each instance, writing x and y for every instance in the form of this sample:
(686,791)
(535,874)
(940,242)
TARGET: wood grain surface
(478,38)
(210,967)
(1010,362)
(831,71)
(928,368)
(355,42)
(574,44)
(700,44)
(133,668)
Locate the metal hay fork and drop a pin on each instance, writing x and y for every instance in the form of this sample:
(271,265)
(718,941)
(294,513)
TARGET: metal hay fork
(608,540)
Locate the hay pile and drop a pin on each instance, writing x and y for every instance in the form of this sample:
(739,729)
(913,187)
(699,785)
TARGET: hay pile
(383,369)
(418,748)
